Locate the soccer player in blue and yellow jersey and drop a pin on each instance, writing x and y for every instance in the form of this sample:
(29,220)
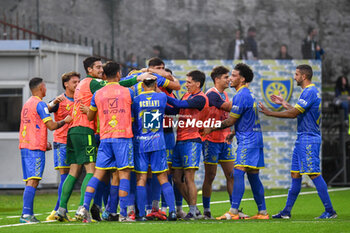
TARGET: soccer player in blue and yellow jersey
(249,153)
(165,81)
(305,160)
(35,120)
(148,110)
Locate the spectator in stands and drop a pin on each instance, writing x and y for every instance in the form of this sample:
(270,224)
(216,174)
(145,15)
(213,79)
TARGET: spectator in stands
(236,47)
(283,53)
(158,52)
(342,94)
(319,52)
(309,45)
(250,44)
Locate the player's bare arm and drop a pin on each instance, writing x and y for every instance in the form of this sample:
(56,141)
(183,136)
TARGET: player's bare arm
(91,114)
(290,113)
(229,137)
(226,106)
(143,76)
(224,124)
(161,72)
(52,125)
(84,109)
(57,100)
(278,99)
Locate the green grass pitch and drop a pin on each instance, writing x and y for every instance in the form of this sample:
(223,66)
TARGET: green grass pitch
(307,207)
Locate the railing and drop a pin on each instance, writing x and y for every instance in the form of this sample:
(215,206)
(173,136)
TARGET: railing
(335,144)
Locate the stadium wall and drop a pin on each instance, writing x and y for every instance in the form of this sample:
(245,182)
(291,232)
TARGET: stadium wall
(195,29)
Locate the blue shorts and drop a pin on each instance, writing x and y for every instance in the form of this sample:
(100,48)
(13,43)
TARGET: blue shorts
(115,153)
(59,155)
(169,146)
(250,157)
(214,153)
(187,155)
(306,159)
(33,164)
(155,159)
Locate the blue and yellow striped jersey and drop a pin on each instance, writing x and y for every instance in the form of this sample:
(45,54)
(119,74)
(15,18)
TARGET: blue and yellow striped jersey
(148,110)
(309,104)
(244,108)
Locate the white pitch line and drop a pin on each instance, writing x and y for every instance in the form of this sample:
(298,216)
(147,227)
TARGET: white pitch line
(214,202)
(20,216)
(21,224)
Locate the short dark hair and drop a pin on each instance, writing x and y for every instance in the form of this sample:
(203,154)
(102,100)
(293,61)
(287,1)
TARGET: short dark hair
(149,82)
(110,69)
(197,76)
(252,29)
(218,71)
(34,83)
(305,69)
(310,29)
(245,71)
(168,70)
(155,61)
(67,76)
(89,62)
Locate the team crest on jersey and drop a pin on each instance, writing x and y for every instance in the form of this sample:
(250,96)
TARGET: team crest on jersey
(274,87)
(151,120)
(113,122)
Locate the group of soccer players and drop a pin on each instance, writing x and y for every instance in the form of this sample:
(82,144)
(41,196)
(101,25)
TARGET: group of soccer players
(113,126)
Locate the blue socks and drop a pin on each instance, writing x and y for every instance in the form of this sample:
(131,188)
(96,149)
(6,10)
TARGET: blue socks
(168,192)
(322,191)
(124,186)
(206,202)
(99,193)
(132,193)
(28,200)
(105,194)
(93,183)
(149,193)
(87,199)
(113,199)
(141,199)
(170,180)
(258,190)
(155,188)
(292,195)
(238,188)
(63,178)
